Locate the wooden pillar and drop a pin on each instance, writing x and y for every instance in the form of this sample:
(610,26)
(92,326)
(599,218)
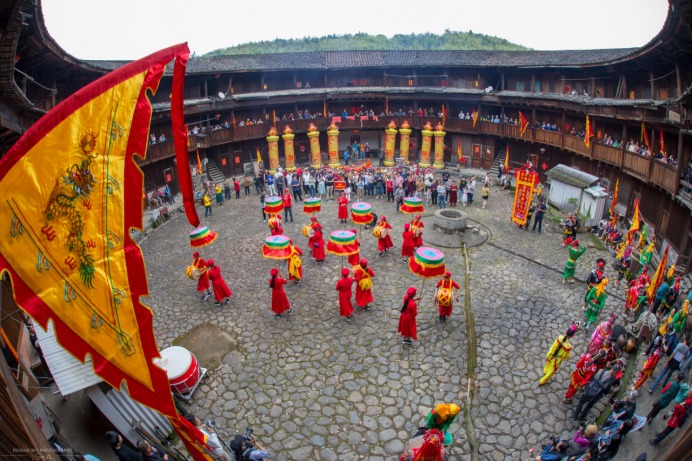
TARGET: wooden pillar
(625,93)
(592,90)
(680,140)
(651,79)
(206,88)
(295,80)
(678,80)
(533,83)
(564,131)
(502,81)
(262,82)
(415,78)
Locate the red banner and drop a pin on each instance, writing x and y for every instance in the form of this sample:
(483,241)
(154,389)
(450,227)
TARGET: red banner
(526,181)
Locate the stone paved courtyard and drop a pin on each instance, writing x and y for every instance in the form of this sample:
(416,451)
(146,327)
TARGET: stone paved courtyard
(316,387)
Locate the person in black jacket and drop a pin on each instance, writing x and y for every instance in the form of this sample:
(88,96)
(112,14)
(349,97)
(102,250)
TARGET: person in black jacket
(599,386)
(123,452)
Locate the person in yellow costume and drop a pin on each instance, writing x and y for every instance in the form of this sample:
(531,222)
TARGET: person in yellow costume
(295,265)
(558,352)
(441,418)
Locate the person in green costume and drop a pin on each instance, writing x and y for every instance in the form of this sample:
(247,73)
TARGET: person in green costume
(441,418)
(575,251)
(680,317)
(595,300)
(645,256)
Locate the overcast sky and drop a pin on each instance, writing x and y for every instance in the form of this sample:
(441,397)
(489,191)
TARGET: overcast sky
(131,29)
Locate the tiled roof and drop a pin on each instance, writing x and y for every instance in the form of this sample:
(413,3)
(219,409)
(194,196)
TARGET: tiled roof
(570,176)
(332,60)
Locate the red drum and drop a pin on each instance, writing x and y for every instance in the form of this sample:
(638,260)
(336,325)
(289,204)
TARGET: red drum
(182,368)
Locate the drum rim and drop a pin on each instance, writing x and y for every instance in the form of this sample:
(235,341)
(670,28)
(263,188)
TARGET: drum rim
(169,354)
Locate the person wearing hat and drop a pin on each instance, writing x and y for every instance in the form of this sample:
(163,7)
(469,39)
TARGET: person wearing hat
(384,243)
(280,302)
(295,265)
(600,385)
(203,280)
(558,352)
(586,436)
(317,242)
(363,276)
(582,374)
(441,418)
(407,243)
(575,250)
(624,264)
(344,288)
(354,259)
(650,364)
(221,290)
(342,203)
(595,300)
(407,318)
(444,295)
(595,276)
(417,229)
(603,332)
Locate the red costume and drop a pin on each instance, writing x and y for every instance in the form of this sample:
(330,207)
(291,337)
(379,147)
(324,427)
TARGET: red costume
(384,243)
(363,276)
(342,201)
(649,367)
(199,263)
(318,246)
(275,225)
(221,290)
(581,376)
(236,185)
(417,225)
(407,245)
(355,257)
(444,295)
(315,226)
(407,319)
(280,302)
(343,287)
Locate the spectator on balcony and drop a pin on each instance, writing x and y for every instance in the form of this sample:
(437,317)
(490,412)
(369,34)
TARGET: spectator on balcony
(162,138)
(152,138)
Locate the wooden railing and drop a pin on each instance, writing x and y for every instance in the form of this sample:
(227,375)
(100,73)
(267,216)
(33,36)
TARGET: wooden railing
(636,165)
(665,176)
(548,137)
(607,154)
(158,151)
(511,131)
(576,145)
(491,128)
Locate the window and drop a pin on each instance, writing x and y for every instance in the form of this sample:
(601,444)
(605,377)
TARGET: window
(537,86)
(520,86)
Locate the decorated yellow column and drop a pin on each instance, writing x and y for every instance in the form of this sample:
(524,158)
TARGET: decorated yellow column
(288,148)
(389,143)
(439,146)
(333,146)
(273,149)
(427,134)
(315,153)
(404,140)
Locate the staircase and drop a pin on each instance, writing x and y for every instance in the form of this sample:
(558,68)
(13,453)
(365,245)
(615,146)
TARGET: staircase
(214,173)
(499,160)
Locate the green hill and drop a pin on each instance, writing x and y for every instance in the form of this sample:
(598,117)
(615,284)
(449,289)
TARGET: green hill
(448,41)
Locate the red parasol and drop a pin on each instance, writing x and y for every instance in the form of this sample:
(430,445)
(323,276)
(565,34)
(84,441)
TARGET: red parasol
(273,205)
(412,205)
(427,263)
(312,205)
(277,247)
(361,213)
(201,236)
(342,243)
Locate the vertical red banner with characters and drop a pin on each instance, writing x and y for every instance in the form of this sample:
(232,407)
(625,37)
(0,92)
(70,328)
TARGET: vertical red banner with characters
(526,181)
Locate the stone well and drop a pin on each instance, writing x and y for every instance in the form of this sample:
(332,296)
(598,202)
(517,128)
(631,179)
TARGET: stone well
(450,221)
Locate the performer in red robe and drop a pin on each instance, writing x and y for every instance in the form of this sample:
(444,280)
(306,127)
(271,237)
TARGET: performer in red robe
(221,290)
(363,275)
(581,376)
(275,225)
(295,265)
(280,302)
(318,246)
(407,320)
(203,281)
(342,201)
(649,367)
(444,295)
(383,243)
(417,228)
(355,257)
(314,224)
(407,245)
(343,287)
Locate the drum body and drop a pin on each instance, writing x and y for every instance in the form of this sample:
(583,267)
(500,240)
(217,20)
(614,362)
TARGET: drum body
(384,232)
(444,296)
(377,231)
(181,367)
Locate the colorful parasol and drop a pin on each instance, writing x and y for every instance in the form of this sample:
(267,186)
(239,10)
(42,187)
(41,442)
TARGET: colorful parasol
(412,205)
(276,247)
(312,205)
(361,213)
(201,236)
(427,263)
(342,243)
(273,205)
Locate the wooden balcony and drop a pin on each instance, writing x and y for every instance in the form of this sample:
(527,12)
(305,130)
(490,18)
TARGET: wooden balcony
(665,176)
(491,128)
(607,154)
(637,165)
(158,151)
(511,131)
(553,138)
(576,145)
(459,126)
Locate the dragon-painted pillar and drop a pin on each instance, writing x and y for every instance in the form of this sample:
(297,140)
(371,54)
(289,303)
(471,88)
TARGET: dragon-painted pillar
(427,134)
(389,143)
(273,149)
(288,148)
(439,146)
(333,146)
(315,153)
(404,140)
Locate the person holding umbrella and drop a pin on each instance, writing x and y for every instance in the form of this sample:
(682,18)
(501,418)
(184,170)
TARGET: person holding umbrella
(407,320)
(280,302)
